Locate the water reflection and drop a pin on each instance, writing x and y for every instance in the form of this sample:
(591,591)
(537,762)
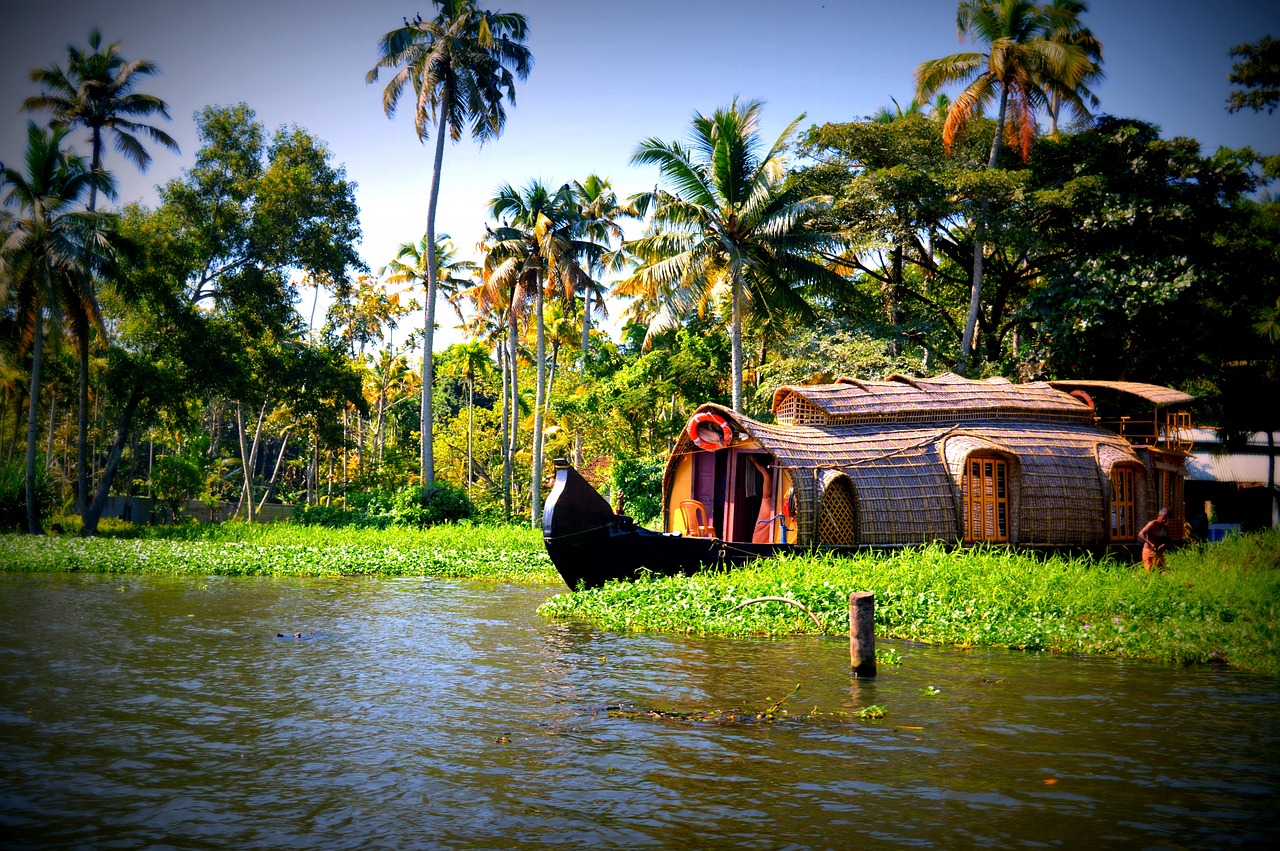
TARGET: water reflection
(413,713)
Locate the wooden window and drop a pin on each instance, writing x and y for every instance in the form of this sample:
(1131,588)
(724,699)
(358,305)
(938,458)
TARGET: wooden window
(986,499)
(1124,504)
(1168,495)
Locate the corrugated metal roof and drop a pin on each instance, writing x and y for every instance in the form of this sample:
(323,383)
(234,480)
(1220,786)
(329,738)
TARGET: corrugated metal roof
(1153,393)
(1213,436)
(1229,467)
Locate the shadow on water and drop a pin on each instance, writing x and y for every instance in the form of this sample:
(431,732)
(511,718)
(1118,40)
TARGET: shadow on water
(144,711)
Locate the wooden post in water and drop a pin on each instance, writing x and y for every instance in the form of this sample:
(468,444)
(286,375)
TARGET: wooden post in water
(862,633)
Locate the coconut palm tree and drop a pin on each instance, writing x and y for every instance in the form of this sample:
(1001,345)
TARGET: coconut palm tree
(600,214)
(532,254)
(96,91)
(1020,66)
(49,252)
(460,65)
(726,220)
(471,361)
(413,265)
(1063,25)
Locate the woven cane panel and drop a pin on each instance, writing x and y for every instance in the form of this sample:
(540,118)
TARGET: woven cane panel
(837,522)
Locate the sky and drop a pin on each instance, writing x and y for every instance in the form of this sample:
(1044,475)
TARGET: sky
(607,74)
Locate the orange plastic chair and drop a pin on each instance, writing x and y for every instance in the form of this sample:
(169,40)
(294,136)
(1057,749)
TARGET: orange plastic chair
(696,523)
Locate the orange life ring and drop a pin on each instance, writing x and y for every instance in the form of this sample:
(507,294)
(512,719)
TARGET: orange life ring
(702,431)
(1083,397)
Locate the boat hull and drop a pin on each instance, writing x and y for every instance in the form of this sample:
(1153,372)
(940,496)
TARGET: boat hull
(590,544)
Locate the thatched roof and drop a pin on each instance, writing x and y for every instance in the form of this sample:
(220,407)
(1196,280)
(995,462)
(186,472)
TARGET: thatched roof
(947,397)
(1153,393)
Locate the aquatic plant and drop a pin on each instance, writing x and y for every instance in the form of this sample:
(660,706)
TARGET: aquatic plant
(1216,603)
(500,554)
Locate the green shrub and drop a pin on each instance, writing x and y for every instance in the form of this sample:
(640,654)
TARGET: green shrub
(13,494)
(443,503)
(328,516)
(381,509)
(639,483)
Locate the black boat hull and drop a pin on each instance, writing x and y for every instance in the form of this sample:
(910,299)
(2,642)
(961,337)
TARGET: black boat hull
(590,544)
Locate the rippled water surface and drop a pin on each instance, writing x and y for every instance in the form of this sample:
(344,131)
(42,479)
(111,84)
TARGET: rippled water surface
(156,712)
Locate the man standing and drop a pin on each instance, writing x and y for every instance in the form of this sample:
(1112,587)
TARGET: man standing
(1155,537)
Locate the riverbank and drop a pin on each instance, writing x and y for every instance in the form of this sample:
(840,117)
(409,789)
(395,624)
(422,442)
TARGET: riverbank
(480,552)
(1217,603)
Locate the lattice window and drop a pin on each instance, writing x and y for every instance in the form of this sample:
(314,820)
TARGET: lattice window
(986,499)
(1124,504)
(797,410)
(837,524)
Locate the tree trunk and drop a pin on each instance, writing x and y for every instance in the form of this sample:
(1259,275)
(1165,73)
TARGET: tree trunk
(125,426)
(514,367)
(82,427)
(53,418)
(506,442)
(471,402)
(275,473)
(736,335)
(975,292)
(540,394)
(33,425)
(429,324)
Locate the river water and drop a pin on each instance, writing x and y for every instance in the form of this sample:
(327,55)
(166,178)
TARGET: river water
(166,713)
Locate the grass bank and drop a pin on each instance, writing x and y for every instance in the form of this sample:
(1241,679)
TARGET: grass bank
(491,553)
(1216,603)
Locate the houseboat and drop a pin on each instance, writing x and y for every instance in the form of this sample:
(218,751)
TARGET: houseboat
(895,463)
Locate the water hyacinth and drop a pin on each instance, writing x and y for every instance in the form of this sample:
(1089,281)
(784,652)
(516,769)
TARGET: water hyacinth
(1216,603)
(498,555)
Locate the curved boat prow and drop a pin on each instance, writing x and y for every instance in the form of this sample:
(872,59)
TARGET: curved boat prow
(590,543)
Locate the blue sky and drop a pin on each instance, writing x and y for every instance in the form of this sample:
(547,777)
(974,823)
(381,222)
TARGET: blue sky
(607,74)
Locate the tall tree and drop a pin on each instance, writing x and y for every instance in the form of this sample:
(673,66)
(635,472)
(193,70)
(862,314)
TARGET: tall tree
(96,92)
(1018,69)
(460,64)
(1258,76)
(533,254)
(208,298)
(1063,26)
(726,219)
(50,249)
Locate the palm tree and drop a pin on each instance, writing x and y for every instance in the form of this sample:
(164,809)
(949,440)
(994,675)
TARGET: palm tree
(599,211)
(48,253)
(96,91)
(460,65)
(1063,26)
(727,221)
(435,267)
(471,360)
(533,254)
(1020,66)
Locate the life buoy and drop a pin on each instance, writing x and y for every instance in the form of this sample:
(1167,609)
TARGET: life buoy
(709,431)
(1083,397)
